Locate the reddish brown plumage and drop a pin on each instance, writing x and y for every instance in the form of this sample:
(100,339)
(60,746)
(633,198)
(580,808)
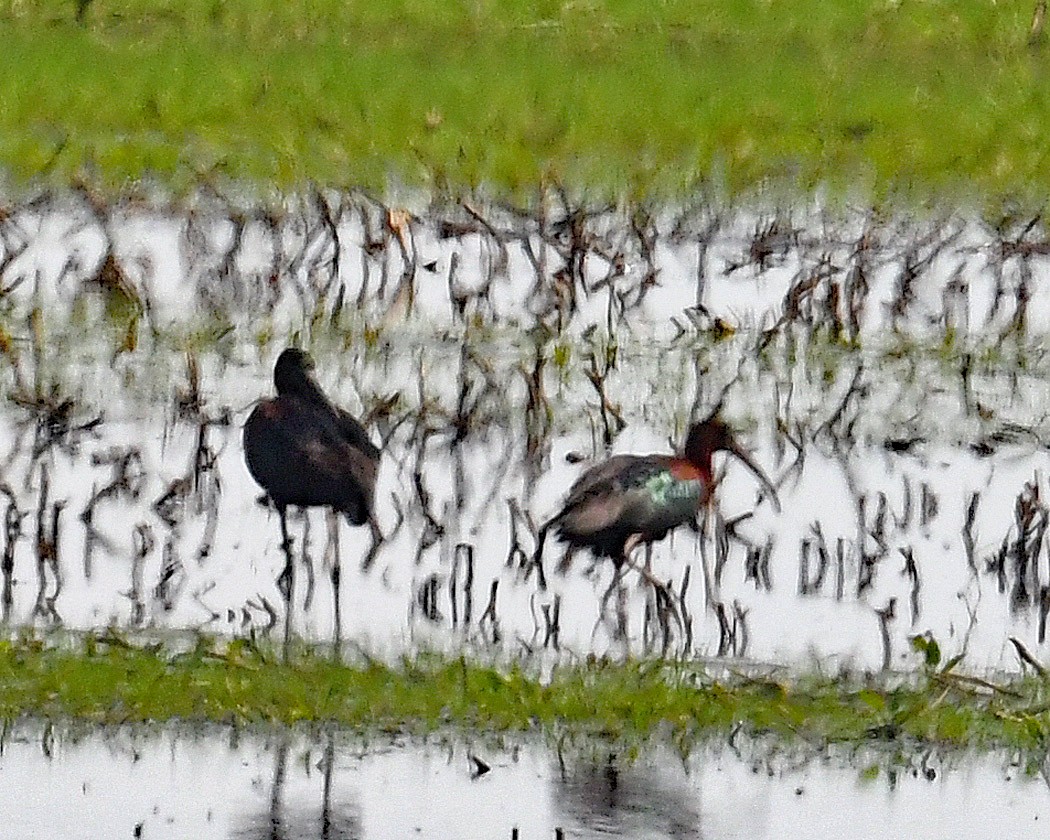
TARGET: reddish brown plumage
(684,470)
(306,452)
(632,499)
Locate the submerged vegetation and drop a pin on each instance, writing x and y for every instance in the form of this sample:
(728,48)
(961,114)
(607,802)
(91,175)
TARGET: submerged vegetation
(630,98)
(108,680)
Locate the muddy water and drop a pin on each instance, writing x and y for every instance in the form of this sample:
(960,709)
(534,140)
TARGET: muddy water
(222,784)
(911,479)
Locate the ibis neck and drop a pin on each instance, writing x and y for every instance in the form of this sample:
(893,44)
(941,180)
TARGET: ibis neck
(302,386)
(707,477)
(702,460)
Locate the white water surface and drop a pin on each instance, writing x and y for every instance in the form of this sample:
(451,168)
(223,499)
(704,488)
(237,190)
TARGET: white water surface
(221,784)
(274,280)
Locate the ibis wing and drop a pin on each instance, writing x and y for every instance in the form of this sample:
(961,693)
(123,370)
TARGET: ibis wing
(298,453)
(354,433)
(610,494)
(337,460)
(339,423)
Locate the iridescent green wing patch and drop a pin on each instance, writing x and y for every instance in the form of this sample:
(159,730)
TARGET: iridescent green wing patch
(664,488)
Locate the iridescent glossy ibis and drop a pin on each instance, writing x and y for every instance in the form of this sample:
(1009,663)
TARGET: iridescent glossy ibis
(306,452)
(632,500)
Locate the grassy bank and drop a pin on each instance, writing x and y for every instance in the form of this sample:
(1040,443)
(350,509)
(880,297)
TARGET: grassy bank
(634,97)
(107,680)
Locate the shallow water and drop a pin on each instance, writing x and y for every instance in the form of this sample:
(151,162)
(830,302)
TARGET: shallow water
(150,519)
(222,784)
(177,539)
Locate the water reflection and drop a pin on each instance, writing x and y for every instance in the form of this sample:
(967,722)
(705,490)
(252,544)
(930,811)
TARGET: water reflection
(494,353)
(614,798)
(221,783)
(337,818)
(880,538)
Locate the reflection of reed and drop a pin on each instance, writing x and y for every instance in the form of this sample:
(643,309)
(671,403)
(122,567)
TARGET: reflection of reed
(479,338)
(337,819)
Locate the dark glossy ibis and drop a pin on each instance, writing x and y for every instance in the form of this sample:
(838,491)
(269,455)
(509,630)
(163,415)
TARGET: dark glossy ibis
(306,452)
(631,500)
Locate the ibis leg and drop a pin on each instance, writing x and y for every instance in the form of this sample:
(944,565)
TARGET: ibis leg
(665,597)
(336,573)
(286,579)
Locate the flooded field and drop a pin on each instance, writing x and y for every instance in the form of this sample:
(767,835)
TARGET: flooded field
(230,784)
(890,375)
(150,519)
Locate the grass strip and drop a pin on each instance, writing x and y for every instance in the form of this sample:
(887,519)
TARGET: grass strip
(107,680)
(625,97)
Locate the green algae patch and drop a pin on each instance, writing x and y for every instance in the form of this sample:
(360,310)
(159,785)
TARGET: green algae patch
(108,680)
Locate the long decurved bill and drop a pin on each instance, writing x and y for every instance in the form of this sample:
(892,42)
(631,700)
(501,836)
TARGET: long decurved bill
(759,474)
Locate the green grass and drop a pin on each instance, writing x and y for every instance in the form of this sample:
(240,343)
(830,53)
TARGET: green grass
(106,680)
(623,96)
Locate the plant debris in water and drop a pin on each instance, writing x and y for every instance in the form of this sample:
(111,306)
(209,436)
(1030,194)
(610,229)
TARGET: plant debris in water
(858,345)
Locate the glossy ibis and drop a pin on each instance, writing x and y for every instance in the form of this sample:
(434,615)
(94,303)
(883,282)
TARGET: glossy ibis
(631,500)
(306,452)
